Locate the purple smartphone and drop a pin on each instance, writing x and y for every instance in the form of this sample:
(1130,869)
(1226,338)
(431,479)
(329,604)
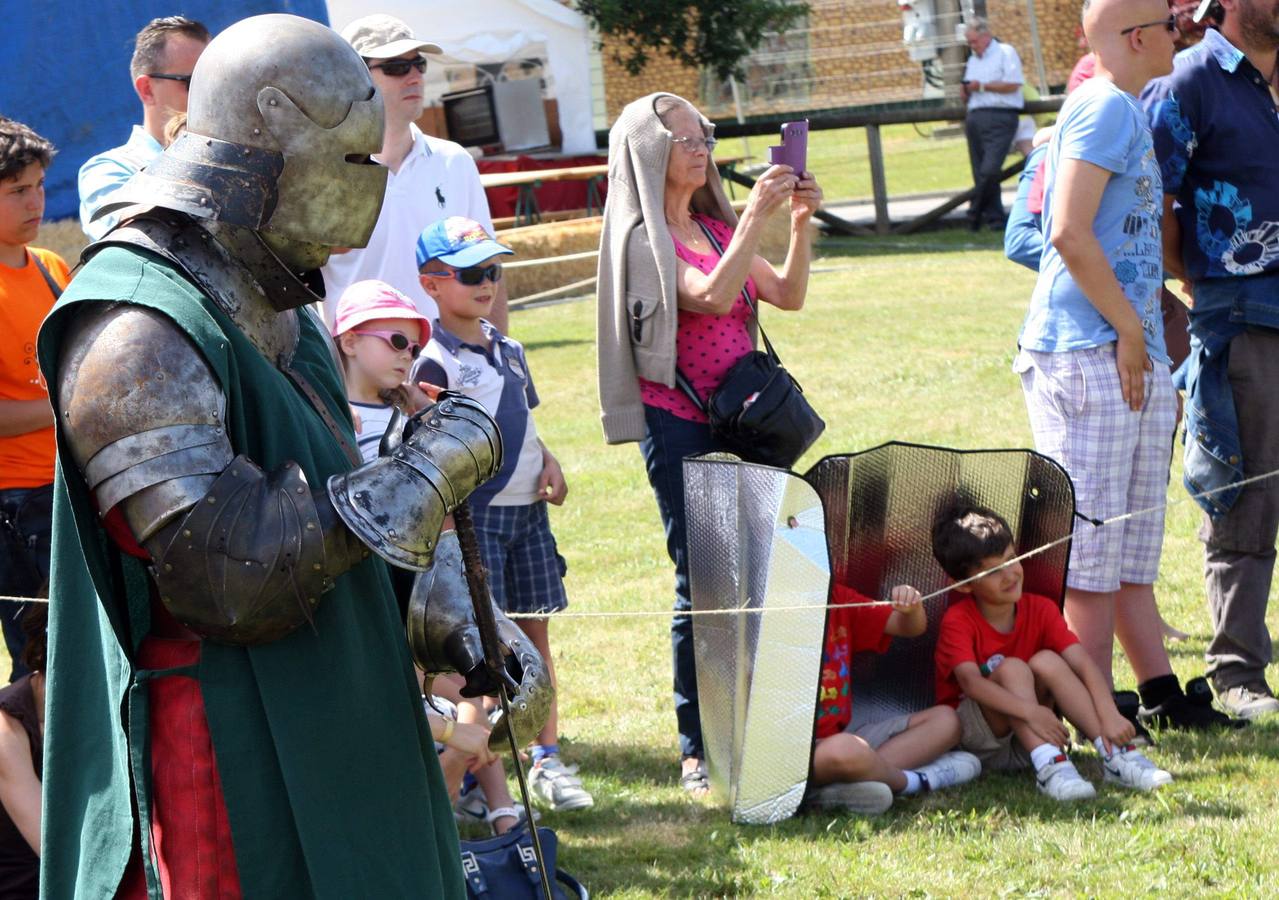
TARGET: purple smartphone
(793,151)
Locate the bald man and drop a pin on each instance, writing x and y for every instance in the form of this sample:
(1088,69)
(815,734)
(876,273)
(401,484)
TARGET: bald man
(1093,362)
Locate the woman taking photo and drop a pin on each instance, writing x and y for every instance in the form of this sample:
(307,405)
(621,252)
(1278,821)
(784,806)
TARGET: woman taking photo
(674,263)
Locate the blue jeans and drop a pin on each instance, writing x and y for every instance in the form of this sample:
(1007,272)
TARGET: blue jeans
(26,519)
(668,441)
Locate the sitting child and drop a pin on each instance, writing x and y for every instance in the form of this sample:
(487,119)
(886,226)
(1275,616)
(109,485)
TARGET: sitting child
(861,768)
(1005,659)
(459,266)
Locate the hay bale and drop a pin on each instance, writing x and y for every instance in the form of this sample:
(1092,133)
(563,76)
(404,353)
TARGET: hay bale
(553,239)
(64,238)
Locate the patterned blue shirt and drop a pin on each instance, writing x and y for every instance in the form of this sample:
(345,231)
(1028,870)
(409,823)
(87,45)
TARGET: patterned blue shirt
(1216,134)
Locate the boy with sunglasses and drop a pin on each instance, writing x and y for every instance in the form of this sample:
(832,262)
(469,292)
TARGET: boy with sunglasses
(457,261)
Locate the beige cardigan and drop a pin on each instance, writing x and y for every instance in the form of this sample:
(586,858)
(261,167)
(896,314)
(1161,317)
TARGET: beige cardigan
(637,315)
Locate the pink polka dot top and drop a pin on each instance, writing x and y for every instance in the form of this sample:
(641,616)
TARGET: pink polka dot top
(706,346)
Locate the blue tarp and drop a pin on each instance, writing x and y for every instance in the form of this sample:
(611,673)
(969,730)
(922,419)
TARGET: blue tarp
(64,71)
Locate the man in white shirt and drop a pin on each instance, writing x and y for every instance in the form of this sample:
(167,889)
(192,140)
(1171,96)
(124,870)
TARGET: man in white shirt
(164,55)
(992,89)
(430,178)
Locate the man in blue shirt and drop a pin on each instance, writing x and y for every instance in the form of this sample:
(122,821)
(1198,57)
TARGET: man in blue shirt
(1216,127)
(164,54)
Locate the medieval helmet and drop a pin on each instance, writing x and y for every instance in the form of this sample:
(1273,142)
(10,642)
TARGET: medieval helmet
(282,119)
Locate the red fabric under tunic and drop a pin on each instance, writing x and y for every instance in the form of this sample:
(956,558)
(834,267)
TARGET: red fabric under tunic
(190,830)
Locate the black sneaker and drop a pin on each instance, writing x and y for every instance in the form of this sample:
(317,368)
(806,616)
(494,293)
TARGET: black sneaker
(1191,711)
(1129,706)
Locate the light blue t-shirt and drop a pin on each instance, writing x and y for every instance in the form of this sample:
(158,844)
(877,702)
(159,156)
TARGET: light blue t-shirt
(1103,125)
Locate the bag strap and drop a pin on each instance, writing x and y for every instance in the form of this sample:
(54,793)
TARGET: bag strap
(48,279)
(681,380)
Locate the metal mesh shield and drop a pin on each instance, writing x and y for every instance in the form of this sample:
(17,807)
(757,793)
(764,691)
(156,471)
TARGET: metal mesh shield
(756,540)
(880,507)
(762,538)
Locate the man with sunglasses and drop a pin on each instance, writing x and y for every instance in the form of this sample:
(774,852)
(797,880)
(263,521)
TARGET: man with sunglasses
(164,56)
(430,178)
(1216,127)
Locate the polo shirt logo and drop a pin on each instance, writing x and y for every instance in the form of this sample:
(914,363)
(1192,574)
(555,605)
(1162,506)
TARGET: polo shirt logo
(468,376)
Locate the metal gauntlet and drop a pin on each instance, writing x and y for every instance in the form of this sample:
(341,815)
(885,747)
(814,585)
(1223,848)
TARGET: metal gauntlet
(444,637)
(396,504)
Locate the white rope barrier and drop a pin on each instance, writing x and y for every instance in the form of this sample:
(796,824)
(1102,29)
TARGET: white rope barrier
(541,295)
(741,610)
(547,260)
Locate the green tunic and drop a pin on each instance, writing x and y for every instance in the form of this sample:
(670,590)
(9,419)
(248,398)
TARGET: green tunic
(325,756)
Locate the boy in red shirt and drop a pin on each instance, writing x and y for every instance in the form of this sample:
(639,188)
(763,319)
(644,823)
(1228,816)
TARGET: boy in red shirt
(859,769)
(1005,659)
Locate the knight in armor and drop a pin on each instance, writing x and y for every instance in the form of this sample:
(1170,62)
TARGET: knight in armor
(232,705)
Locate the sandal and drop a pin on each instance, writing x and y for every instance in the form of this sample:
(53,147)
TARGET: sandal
(503,812)
(696,781)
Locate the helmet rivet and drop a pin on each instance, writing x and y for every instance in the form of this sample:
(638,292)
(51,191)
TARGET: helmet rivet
(257,130)
(273,102)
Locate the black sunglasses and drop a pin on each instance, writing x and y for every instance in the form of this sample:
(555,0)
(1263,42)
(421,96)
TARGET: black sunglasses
(1169,23)
(398,68)
(164,76)
(474,275)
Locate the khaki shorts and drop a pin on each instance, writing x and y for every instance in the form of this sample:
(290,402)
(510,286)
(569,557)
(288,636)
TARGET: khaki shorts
(998,753)
(879,732)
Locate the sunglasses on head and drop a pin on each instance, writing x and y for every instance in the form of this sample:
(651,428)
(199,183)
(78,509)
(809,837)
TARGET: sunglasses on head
(398,68)
(1170,24)
(165,76)
(474,275)
(398,341)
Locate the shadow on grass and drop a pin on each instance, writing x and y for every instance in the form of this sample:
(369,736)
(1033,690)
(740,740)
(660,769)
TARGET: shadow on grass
(943,240)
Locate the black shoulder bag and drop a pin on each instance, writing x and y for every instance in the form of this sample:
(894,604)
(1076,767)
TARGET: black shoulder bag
(759,411)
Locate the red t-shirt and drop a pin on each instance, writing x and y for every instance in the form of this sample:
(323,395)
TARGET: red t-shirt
(966,636)
(848,632)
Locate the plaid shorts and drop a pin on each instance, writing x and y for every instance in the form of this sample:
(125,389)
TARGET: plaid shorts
(1118,459)
(526,572)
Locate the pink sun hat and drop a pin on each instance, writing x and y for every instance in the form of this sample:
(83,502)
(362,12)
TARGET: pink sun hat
(365,301)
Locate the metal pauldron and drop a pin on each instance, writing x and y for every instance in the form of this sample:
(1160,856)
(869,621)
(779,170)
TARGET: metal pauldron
(396,504)
(444,637)
(248,563)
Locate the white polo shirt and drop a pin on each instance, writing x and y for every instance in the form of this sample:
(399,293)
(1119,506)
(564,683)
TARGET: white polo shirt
(437,179)
(1000,62)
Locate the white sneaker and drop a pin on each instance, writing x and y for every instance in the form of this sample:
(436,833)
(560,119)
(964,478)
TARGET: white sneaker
(950,769)
(1062,781)
(869,798)
(558,786)
(1129,767)
(472,806)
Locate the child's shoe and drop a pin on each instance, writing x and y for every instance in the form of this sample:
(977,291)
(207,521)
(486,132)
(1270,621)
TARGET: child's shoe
(1129,767)
(870,798)
(1062,781)
(950,769)
(558,786)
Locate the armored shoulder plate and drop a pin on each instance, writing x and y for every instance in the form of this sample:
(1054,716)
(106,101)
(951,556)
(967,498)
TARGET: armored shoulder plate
(142,413)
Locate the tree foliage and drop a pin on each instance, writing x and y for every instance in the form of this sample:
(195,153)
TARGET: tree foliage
(712,34)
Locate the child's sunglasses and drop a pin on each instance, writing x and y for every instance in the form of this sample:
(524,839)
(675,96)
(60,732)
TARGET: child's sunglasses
(398,341)
(474,275)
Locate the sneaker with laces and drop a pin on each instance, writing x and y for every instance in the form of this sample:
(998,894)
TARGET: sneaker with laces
(870,798)
(1130,768)
(1062,781)
(558,786)
(950,769)
(1248,701)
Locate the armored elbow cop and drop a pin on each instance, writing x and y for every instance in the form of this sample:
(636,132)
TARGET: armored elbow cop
(397,503)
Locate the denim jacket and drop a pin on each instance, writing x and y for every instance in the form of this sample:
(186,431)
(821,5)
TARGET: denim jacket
(1224,308)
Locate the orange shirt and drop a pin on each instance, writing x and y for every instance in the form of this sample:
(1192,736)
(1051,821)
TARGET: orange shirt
(26,460)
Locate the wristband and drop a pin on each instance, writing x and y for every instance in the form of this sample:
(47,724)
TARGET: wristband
(449,727)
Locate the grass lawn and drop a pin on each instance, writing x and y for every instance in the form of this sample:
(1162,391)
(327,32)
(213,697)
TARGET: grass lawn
(914,161)
(908,339)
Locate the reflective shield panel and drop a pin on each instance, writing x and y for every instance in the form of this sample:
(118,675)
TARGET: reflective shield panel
(880,508)
(756,540)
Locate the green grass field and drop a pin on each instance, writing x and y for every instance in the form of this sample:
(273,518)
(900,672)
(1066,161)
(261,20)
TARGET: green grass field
(904,339)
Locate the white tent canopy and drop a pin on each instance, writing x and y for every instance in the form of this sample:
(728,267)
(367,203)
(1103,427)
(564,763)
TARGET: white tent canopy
(494,32)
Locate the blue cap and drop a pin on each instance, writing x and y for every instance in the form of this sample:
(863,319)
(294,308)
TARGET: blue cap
(457,241)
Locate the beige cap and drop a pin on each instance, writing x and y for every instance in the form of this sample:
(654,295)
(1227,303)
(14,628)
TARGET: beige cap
(382,37)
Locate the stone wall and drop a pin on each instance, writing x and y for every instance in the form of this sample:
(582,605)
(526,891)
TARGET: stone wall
(851,55)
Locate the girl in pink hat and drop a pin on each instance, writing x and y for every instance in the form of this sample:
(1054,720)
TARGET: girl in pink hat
(379,333)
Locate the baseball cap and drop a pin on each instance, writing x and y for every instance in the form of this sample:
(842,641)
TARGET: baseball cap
(457,241)
(381,36)
(365,301)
